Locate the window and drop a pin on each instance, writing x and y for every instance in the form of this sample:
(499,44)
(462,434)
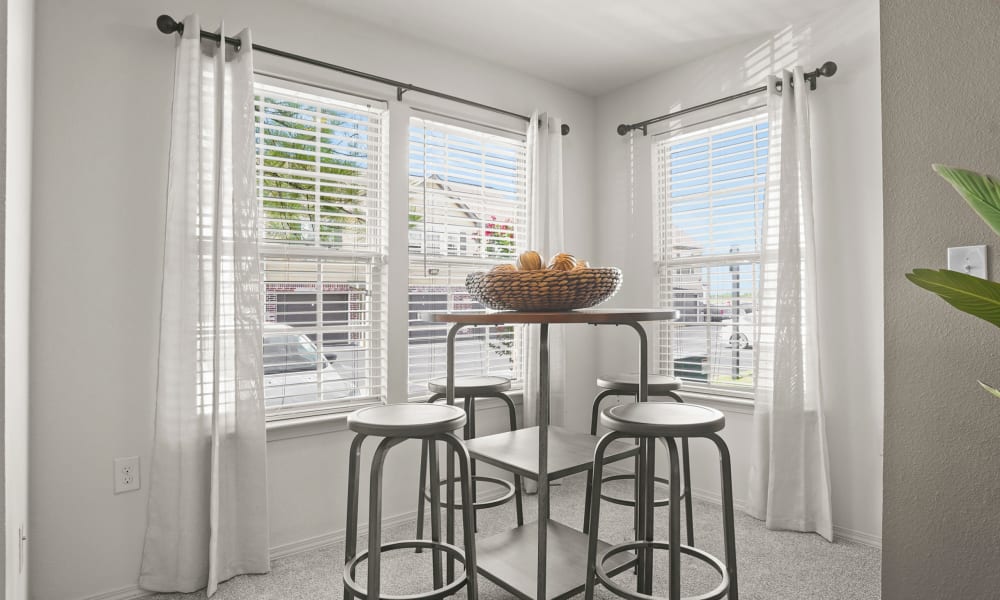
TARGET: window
(709,200)
(321,185)
(468,205)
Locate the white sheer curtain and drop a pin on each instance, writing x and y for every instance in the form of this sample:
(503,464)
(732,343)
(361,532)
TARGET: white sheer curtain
(789,471)
(207,512)
(545,176)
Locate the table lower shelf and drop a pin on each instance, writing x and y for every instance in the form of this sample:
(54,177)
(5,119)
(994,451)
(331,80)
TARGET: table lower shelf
(510,560)
(569,451)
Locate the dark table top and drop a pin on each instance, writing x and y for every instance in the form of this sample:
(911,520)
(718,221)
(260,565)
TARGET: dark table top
(593,316)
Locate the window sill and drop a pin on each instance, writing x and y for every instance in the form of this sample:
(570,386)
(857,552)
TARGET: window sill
(724,403)
(286,429)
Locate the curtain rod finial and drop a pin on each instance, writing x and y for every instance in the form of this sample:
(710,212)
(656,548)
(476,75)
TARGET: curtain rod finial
(623,129)
(167,24)
(564,129)
(828,69)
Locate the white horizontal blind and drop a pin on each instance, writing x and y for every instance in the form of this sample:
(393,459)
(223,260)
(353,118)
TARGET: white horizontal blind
(321,184)
(710,190)
(468,212)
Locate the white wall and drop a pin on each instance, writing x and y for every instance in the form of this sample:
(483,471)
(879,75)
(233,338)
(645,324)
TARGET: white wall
(15,207)
(103,86)
(847,154)
(103,92)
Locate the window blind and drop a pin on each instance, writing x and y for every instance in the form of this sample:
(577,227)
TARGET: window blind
(468,212)
(710,191)
(321,185)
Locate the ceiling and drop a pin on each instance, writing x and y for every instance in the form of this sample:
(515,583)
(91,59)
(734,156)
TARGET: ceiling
(591,46)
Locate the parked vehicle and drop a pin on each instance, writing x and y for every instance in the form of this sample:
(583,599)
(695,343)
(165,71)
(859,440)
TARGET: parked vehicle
(296,371)
(735,332)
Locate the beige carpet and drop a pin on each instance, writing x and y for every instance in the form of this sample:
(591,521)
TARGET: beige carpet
(773,565)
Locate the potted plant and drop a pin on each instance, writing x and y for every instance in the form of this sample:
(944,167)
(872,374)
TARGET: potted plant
(978,297)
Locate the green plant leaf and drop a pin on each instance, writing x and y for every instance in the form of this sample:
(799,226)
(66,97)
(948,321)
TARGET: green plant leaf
(982,192)
(978,297)
(990,389)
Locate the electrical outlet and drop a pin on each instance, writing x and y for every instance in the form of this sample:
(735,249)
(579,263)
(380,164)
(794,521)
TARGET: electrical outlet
(126,474)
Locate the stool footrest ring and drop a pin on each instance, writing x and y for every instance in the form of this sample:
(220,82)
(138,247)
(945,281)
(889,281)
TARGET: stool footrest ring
(451,588)
(481,504)
(602,575)
(631,501)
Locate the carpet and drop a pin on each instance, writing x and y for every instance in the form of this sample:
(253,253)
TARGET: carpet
(773,565)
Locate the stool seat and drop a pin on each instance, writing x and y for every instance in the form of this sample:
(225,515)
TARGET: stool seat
(470,386)
(628,383)
(663,419)
(406,420)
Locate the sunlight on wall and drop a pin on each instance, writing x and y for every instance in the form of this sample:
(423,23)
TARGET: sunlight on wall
(781,51)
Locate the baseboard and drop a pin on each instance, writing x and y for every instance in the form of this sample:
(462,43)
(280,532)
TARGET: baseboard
(125,593)
(336,536)
(281,551)
(859,537)
(716,498)
(844,533)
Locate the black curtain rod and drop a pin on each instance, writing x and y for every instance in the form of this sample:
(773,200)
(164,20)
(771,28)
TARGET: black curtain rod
(827,70)
(167,24)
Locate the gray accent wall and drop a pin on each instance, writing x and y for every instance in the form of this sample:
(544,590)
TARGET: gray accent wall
(940,104)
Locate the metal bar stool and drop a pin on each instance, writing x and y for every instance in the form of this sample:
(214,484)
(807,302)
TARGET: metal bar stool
(647,422)
(472,389)
(396,423)
(627,384)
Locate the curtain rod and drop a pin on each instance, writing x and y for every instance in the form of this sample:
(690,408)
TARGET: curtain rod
(827,70)
(167,24)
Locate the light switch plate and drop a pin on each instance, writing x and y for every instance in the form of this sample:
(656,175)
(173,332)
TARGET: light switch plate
(968,259)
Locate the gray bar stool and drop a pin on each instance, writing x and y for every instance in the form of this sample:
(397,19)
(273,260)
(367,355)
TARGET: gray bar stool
(469,390)
(396,423)
(647,422)
(627,384)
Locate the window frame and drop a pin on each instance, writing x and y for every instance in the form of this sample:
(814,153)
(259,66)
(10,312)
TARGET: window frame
(393,260)
(371,258)
(664,263)
(452,245)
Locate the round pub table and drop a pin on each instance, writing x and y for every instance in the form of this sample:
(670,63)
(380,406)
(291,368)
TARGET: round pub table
(556,566)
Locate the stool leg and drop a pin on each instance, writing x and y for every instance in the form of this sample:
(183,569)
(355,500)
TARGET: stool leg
(468,514)
(420,492)
(728,525)
(639,524)
(674,535)
(512,416)
(688,502)
(595,410)
(435,476)
(644,514)
(595,513)
(375,518)
(424,450)
(636,514)
(449,510)
(351,539)
(471,433)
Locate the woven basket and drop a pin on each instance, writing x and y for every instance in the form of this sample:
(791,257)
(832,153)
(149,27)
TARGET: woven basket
(544,289)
